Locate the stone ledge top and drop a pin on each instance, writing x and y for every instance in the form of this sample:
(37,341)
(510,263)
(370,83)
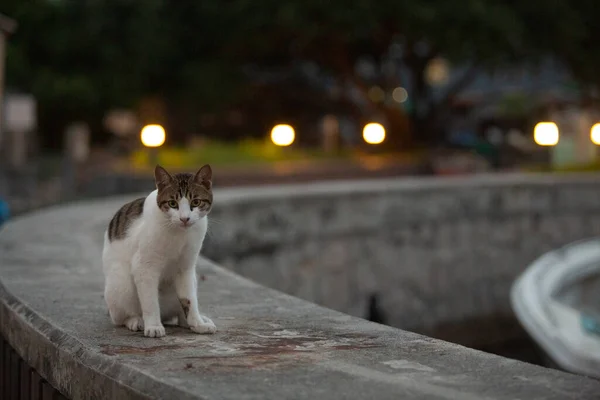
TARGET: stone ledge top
(335,188)
(269,345)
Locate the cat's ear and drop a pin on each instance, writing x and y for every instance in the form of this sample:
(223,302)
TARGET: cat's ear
(162,177)
(204,176)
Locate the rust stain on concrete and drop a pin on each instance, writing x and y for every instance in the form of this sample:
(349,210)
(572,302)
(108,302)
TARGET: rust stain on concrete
(112,350)
(271,351)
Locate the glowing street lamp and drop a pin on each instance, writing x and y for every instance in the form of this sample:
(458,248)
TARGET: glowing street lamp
(374,133)
(595,134)
(283,135)
(153,135)
(546,134)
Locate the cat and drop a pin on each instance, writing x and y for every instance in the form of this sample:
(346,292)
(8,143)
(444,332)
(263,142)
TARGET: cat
(150,251)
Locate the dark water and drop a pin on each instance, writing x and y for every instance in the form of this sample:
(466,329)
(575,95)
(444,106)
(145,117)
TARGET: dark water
(499,334)
(519,348)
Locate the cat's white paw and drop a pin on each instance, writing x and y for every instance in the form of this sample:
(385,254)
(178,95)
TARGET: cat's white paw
(154,331)
(202,324)
(134,324)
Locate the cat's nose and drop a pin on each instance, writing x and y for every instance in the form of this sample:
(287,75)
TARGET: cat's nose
(184,220)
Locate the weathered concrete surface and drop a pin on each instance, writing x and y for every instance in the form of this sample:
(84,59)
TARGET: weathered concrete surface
(269,345)
(437,252)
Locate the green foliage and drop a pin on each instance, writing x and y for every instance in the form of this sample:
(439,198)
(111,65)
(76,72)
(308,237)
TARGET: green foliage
(240,154)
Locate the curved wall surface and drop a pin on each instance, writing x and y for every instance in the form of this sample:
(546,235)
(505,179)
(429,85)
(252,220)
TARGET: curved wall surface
(439,254)
(423,246)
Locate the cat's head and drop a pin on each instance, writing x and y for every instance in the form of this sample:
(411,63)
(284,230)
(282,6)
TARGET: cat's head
(184,198)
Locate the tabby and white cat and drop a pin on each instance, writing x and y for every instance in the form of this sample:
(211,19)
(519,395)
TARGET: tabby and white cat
(150,251)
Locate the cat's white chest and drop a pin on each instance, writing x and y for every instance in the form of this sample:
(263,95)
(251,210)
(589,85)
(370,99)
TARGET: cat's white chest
(170,246)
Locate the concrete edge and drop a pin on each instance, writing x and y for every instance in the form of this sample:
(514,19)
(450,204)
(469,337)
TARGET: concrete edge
(55,347)
(22,325)
(56,350)
(362,186)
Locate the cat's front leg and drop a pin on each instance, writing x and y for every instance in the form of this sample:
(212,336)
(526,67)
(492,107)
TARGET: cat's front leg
(146,277)
(186,287)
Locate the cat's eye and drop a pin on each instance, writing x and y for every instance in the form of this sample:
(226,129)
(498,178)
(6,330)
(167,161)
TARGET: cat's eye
(196,203)
(173,204)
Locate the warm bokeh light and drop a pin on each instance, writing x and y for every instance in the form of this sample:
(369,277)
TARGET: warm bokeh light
(373,133)
(437,71)
(283,135)
(153,135)
(595,134)
(400,95)
(546,134)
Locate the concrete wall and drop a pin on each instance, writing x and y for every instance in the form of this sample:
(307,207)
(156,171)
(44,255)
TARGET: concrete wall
(440,254)
(54,325)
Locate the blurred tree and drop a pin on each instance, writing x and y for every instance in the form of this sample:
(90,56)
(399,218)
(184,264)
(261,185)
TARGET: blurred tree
(336,35)
(573,32)
(36,57)
(80,58)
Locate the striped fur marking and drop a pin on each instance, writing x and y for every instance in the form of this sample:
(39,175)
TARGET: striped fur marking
(121,221)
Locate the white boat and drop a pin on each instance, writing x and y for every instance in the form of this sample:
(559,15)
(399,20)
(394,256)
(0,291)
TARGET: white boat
(557,300)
